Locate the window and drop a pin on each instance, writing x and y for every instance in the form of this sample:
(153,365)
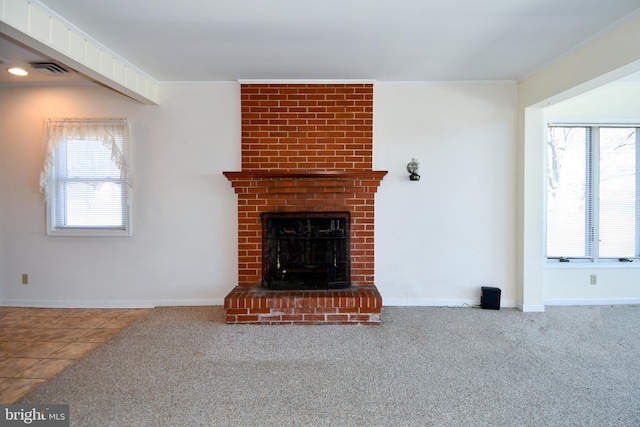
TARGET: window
(593,193)
(86,178)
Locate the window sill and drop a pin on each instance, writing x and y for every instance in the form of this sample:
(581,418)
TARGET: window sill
(89,232)
(576,265)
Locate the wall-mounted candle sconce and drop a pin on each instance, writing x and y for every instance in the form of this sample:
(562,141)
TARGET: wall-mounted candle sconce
(412,168)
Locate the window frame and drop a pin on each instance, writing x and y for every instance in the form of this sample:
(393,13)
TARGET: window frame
(592,206)
(53,210)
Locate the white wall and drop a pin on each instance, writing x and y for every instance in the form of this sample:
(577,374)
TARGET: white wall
(184,248)
(613,102)
(440,239)
(569,283)
(437,240)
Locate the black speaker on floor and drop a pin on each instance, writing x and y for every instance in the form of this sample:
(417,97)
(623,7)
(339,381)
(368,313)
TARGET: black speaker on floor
(490,298)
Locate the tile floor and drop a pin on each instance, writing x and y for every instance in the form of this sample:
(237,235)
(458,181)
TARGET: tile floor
(38,343)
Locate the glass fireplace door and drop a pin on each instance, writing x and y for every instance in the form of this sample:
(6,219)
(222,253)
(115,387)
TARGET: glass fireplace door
(305,250)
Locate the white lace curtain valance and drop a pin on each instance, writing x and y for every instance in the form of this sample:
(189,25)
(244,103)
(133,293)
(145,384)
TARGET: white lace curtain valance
(114,134)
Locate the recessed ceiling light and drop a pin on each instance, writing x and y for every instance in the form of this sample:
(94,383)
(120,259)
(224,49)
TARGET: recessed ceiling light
(16,71)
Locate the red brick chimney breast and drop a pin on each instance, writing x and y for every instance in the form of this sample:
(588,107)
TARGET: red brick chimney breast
(306,147)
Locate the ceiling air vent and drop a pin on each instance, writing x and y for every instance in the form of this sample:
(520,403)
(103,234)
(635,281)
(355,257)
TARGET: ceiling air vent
(50,68)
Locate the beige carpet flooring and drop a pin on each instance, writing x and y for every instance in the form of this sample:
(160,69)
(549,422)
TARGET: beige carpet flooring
(424,366)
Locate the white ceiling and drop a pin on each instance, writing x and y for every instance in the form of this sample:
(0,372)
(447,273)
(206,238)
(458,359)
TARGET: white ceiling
(381,40)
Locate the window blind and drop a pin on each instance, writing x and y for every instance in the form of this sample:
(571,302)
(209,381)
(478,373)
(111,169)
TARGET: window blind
(566,183)
(593,192)
(618,213)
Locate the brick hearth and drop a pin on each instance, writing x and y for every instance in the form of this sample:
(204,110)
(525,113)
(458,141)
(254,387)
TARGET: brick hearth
(306,147)
(254,304)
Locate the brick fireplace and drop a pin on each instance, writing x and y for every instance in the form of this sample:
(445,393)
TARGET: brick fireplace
(306,148)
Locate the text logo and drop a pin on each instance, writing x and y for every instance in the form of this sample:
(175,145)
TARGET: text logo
(34,415)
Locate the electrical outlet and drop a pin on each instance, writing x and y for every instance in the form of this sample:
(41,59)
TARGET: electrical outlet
(25,279)
(594,279)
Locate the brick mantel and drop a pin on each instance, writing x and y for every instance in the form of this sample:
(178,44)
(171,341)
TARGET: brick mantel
(235,176)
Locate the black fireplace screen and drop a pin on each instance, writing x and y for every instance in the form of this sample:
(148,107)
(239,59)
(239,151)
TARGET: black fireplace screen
(305,250)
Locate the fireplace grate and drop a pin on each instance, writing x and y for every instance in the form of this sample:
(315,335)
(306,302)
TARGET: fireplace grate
(305,250)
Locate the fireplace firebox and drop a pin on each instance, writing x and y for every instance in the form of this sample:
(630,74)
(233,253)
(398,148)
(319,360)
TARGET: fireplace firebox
(305,250)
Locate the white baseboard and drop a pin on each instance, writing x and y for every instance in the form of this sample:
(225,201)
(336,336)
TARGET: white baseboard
(530,308)
(426,302)
(587,301)
(399,302)
(177,303)
(107,304)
